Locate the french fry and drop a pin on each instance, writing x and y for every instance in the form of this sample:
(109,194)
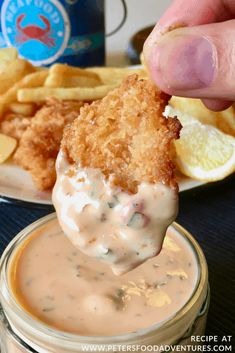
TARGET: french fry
(111,75)
(6,56)
(143,63)
(24,109)
(64,80)
(41,68)
(14,72)
(40,94)
(62,69)
(142,60)
(35,79)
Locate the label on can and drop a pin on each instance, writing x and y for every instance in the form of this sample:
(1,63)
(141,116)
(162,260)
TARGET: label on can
(48,31)
(39,29)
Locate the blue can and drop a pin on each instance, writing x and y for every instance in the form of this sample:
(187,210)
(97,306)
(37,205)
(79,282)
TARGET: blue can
(49,31)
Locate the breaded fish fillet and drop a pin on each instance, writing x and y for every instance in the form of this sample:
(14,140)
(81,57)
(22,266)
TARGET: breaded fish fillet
(126,136)
(40,143)
(15,125)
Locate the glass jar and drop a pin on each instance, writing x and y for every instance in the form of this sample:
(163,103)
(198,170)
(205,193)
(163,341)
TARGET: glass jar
(20,332)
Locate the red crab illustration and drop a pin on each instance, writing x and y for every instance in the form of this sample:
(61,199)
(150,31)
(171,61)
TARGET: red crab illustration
(30,32)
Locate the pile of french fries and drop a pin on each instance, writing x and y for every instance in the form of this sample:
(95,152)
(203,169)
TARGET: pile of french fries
(23,86)
(65,83)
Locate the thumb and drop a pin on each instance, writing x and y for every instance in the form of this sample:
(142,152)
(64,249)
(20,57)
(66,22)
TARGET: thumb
(195,61)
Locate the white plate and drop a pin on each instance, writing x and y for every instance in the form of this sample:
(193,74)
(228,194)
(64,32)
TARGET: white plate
(17,184)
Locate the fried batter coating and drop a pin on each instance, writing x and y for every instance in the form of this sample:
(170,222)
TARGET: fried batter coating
(126,136)
(40,143)
(14,125)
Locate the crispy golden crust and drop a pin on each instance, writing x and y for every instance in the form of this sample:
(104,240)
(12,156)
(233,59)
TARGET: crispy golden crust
(126,136)
(14,125)
(40,143)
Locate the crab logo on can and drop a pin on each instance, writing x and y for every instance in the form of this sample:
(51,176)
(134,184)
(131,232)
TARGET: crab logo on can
(39,29)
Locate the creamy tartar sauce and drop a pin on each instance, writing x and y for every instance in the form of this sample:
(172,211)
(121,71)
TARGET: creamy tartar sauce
(119,228)
(67,290)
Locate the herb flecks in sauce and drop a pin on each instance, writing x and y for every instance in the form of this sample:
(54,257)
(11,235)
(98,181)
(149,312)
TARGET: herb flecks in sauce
(47,310)
(118,299)
(119,219)
(86,290)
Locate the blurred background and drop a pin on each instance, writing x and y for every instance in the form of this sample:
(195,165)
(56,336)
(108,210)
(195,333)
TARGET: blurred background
(140,14)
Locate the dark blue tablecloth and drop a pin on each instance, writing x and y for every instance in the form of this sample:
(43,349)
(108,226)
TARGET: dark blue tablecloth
(208,213)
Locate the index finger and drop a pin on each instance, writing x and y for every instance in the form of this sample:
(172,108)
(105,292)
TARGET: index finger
(196,12)
(183,13)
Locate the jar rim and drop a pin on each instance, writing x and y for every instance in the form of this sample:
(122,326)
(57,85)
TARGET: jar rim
(38,326)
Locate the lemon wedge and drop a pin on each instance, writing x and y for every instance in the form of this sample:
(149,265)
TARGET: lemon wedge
(204,152)
(7,147)
(224,121)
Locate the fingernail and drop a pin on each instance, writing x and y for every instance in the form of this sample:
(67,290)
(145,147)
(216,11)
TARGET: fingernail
(184,62)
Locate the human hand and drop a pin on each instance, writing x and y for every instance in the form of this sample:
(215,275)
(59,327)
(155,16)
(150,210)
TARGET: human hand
(197,59)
